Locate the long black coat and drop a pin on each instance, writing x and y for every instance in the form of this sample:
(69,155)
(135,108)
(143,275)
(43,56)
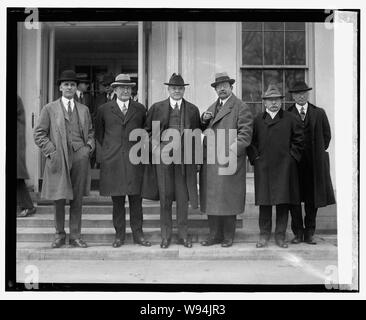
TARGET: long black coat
(22,172)
(190,119)
(118,176)
(322,190)
(275,150)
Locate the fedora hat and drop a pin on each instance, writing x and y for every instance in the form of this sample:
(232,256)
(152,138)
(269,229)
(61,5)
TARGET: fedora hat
(272,92)
(67,75)
(82,77)
(176,80)
(123,80)
(107,79)
(299,86)
(222,77)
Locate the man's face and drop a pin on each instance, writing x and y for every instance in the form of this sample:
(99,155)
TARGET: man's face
(301,97)
(273,104)
(68,89)
(176,92)
(224,90)
(83,87)
(123,92)
(108,88)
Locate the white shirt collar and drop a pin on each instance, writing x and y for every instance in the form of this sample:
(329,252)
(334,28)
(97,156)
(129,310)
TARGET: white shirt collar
(78,93)
(65,102)
(121,103)
(298,107)
(173,102)
(224,101)
(271,113)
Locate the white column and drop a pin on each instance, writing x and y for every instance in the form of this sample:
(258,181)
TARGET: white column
(172,49)
(189,60)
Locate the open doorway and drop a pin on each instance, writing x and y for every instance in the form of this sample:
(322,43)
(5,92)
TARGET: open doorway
(96,50)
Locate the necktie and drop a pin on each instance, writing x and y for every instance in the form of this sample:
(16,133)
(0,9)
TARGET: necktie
(302,113)
(176,108)
(124,109)
(69,111)
(219,107)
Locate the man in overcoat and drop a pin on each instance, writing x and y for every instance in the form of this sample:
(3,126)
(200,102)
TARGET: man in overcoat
(222,196)
(314,173)
(177,180)
(65,135)
(275,150)
(24,201)
(118,175)
(105,96)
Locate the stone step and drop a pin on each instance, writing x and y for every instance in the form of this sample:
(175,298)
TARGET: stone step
(106,235)
(326,249)
(102,220)
(105,221)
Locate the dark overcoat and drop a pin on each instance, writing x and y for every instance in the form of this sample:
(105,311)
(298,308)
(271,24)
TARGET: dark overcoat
(22,172)
(224,194)
(322,191)
(275,150)
(190,119)
(118,175)
(50,136)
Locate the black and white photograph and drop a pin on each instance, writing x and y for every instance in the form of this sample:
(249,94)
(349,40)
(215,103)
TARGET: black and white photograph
(173,149)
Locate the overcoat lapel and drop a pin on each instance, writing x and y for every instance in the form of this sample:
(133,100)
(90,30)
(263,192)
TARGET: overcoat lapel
(165,114)
(131,111)
(117,111)
(60,117)
(312,117)
(226,108)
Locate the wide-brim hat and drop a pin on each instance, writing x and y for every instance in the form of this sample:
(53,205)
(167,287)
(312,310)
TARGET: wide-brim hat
(123,80)
(220,78)
(272,92)
(67,75)
(176,80)
(300,86)
(107,79)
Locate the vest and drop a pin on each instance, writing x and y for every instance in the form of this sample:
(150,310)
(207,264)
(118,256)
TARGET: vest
(73,133)
(174,119)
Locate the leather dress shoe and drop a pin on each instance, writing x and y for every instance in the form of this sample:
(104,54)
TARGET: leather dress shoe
(142,241)
(57,243)
(310,240)
(227,243)
(164,243)
(281,243)
(262,243)
(298,239)
(210,242)
(80,243)
(117,243)
(27,212)
(186,242)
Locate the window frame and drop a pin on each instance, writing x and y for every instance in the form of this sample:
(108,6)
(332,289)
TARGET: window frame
(307,67)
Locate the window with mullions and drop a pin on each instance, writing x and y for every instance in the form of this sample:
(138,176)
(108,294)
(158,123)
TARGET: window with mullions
(272,52)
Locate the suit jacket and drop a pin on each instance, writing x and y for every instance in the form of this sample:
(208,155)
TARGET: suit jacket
(118,176)
(50,137)
(322,193)
(190,119)
(224,194)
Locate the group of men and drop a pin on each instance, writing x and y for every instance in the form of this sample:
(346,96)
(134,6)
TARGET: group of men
(287,149)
